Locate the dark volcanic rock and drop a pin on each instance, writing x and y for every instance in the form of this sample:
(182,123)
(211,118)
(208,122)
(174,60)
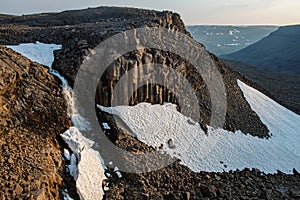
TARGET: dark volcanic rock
(80,31)
(70,27)
(282,87)
(30,95)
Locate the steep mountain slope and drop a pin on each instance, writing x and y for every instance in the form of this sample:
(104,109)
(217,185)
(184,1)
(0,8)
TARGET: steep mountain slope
(278,52)
(32,114)
(282,87)
(221,40)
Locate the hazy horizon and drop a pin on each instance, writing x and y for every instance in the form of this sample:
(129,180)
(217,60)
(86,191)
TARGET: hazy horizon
(193,12)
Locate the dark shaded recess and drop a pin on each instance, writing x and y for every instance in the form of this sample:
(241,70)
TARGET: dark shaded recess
(155,93)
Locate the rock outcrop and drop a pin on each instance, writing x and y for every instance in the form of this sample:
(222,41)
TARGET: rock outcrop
(32,115)
(284,88)
(81,31)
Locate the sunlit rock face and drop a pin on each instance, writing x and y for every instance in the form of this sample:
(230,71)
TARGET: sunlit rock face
(32,114)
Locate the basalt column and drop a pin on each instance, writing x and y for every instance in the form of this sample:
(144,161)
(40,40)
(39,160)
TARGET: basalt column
(136,68)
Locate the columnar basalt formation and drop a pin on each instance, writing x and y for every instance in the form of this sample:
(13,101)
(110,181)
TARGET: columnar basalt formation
(79,35)
(149,92)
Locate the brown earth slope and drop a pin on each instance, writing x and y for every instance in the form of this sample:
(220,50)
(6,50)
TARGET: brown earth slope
(32,114)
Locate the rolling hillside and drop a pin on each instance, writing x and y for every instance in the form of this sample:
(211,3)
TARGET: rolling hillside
(279,52)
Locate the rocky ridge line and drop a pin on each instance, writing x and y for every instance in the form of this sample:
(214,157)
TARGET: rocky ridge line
(79,35)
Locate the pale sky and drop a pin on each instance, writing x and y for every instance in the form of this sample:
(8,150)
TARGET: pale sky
(237,12)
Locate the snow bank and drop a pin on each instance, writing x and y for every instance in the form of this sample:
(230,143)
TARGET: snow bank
(220,150)
(283,124)
(76,141)
(37,52)
(89,172)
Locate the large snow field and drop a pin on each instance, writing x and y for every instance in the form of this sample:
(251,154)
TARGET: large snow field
(220,150)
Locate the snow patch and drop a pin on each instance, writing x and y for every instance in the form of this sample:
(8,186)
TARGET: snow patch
(66,195)
(72,167)
(89,171)
(76,141)
(106,126)
(67,154)
(37,52)
(220,149)
(282,123)
(118,172)
(233,44)
(90,175)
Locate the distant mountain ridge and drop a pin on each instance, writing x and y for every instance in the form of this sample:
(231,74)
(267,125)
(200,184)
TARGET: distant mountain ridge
(279,52)
(228,39)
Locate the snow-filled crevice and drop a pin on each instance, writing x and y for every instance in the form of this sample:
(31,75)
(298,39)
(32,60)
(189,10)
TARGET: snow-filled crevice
(89,172)
(43,54)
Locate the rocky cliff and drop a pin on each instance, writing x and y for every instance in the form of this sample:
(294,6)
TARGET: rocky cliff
(32,114)
(79,35)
